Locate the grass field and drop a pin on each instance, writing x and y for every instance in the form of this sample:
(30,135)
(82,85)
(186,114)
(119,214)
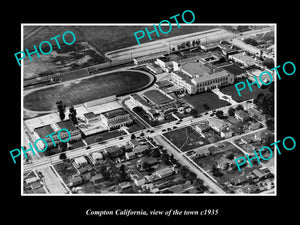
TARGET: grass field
(185,138)
(208,98)
(68,58)
(78,92)
(105,38)
(246,94)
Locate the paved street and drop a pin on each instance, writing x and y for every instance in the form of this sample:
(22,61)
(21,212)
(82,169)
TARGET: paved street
(52,182)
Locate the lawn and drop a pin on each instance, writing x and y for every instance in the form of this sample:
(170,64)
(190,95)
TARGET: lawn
(208,98)
(77,92)
(246,94)
(104,136)
(68,58)
(185,138)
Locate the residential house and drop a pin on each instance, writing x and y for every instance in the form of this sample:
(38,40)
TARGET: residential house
(202,127)
(137,151)
(249,189)
(261,174)
(75,180)
(164,172)
(150,161)
(203,152)
(137,177)
(266,184)
(223,163)
(80,162)
(256,114)
(113,151)
(242,115)
(96,156)
(254,126)
(97,179)
(134,143)
(239,180)
(217,124)
(226,132)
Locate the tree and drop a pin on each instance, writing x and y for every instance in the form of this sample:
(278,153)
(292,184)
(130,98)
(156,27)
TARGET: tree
(191,176)
(216,172)
(239,107)
(62,146)
(231,111)
(61,109)
(269,63)
(146,166)
(183,171)
(62,156)
(98,139)
(72,115)
(199,184)
(220,114)
(155,153)
(268,104)
(133,136)
(270,124)
(205,106)
(230,156)
(194,112)
(61,115)
(271,87)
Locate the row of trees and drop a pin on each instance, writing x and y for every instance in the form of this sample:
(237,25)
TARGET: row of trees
(61,108)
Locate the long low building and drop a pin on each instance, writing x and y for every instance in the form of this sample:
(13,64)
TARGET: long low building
(42,132)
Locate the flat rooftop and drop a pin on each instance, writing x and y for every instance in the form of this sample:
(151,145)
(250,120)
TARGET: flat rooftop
(244,58)
(114,113)
(67,124)
(157,97)
(195,68)
(44,131)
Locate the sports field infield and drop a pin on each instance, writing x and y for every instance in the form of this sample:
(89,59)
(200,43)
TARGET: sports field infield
(80,91)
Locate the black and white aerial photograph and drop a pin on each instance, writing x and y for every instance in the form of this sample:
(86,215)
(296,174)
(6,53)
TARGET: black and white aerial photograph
(136,113)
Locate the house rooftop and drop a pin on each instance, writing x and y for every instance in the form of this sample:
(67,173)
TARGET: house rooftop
(80,160)
(96,155)
(98,177)
(241,113)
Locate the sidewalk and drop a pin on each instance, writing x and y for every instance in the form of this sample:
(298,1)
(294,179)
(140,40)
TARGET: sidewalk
(221,96)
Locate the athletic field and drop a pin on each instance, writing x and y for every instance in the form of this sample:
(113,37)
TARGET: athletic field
(80,91)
